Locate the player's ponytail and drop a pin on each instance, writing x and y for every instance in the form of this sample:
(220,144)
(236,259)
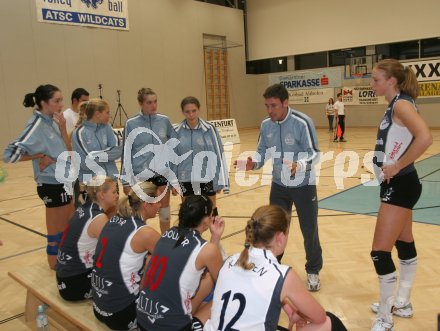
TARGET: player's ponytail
(409,85)
(42,93)
(260,230)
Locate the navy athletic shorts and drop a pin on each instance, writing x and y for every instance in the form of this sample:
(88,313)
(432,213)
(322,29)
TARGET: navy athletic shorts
(205,189)
(53,195)
(403,191)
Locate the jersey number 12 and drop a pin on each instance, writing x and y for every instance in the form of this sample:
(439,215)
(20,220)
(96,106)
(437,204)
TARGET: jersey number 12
(242,304)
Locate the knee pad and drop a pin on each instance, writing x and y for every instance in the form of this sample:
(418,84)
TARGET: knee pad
(383,263)
(52,250)
(164,214)
(54,238)
(406,250)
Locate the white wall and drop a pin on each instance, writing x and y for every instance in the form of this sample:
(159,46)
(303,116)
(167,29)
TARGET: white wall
(163,50)
(290,27)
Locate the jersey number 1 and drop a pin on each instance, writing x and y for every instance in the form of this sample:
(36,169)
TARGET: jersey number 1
(104,246)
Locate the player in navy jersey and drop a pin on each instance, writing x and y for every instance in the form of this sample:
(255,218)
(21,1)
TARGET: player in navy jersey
(253,286)
(402,137)
(120,256)
(43,140)
(78,244)
(175,280)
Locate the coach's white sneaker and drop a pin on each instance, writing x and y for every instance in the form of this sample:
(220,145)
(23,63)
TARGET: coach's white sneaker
(381,325)
(313,283)
(401,310)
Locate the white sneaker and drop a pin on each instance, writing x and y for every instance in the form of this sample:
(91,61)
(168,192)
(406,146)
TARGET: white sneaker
(405,311)
(313,283)
(381,325)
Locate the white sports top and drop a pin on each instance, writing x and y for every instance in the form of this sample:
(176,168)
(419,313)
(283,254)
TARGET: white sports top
(248,300)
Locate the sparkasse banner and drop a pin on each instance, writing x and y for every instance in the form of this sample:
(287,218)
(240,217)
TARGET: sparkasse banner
(109,14)
(308,79)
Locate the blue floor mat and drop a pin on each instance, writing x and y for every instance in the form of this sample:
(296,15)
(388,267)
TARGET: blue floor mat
(365,199)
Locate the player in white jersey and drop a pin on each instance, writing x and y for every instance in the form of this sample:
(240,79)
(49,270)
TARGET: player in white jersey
(252,286)
(402,137)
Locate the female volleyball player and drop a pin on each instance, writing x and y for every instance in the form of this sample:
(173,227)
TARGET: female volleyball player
(43,140)
(252,286)
(153,129)
(174,280)
(205,171)
(78,244)
(96,141)
(120,255)
(402,137)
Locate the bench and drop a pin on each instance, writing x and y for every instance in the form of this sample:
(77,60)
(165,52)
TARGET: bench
(40,284)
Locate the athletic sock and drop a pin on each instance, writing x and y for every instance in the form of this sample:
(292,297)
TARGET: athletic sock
(387,285)
(407,275)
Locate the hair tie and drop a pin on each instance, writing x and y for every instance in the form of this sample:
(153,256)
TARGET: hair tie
(247,245)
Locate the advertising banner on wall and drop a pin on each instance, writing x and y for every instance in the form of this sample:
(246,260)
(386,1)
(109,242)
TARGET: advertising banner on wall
(227,129)
(308,79)
(301,97)
(429,90)
(361,96)
(426,70)
(109,14)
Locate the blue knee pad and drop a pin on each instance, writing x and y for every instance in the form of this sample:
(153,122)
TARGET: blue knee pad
(406,250)
(56,238)
(52,250)
(383,262)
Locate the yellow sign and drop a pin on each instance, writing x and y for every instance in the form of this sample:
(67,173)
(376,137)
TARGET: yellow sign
(429,89)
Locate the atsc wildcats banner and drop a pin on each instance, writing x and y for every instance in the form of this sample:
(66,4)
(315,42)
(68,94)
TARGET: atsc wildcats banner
(427,70)
(109,14)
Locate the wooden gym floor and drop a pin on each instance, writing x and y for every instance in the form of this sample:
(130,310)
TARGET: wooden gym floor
(349,282)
